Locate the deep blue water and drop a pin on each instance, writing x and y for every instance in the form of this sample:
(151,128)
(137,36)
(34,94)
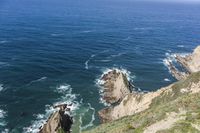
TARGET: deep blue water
(47,45)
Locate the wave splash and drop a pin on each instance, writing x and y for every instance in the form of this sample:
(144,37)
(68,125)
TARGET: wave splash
(3,123)
(91,110)
(171,58)
(99,82)
(67,98)
(87,62)
(1,87)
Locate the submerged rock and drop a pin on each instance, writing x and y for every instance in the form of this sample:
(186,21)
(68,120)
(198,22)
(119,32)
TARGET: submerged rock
(58,122)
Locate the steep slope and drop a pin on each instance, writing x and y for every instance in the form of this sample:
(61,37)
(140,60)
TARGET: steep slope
(175,108)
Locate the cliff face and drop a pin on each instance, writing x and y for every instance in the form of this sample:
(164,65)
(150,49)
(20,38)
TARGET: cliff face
(191,64)
(174,108)
(115,86)
(58,122)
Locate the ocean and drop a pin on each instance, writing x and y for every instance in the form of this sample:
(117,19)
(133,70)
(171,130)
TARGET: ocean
(54,51)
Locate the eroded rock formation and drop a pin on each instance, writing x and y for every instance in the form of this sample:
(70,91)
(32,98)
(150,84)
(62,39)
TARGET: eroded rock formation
(58,122)
(135,102)
(191,64)
(115,86)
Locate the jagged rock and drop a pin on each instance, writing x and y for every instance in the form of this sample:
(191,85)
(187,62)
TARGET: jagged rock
(176,73)
(58,122)
(191,64)
(136,102)
(116,86)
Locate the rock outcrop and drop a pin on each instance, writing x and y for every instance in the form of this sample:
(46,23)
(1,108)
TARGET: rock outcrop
(136,102)
(191,64)
(58,122)
(174,108)
(115,86)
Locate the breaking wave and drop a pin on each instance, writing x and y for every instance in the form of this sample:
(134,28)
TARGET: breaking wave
(87,62)
(1,87)
(166,79)
(67,98)
(171,58)
(99,82)
(180,46)
(3,123)
(90,124)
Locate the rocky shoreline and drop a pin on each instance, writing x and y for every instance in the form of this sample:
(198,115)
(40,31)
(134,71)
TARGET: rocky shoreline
(190,63)
(130,103)
(115,86)
(119,93)
(59,121)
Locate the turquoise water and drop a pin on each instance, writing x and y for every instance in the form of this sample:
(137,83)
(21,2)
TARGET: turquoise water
(55,51)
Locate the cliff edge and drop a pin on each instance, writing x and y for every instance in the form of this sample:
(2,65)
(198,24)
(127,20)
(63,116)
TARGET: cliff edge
(174,108)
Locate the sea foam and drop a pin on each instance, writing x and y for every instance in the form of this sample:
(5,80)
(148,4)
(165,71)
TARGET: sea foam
(90,124)
(67,98)
(1,87)
(87,61)
(3,123)
(99,82)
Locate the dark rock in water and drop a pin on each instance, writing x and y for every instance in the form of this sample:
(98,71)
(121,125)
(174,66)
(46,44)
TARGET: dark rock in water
(58,122)
(190,62)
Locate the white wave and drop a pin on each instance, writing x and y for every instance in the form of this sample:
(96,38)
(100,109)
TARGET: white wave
(3,42)
(99,82)
(38,80)
(1,87)
(143,28)
(180,46)
(166,79)
(66,98)
(117,55)
(2,120)
(90,124)
(103,60)
(171,58)
(55,35)
(87,62)
(87,31)
(5,131)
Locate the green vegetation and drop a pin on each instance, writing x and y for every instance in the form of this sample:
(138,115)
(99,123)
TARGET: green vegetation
(169,101)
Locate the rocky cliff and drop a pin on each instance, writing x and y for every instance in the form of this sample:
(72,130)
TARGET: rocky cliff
(174,108)
(58,122)
(115,86)
(190,63)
